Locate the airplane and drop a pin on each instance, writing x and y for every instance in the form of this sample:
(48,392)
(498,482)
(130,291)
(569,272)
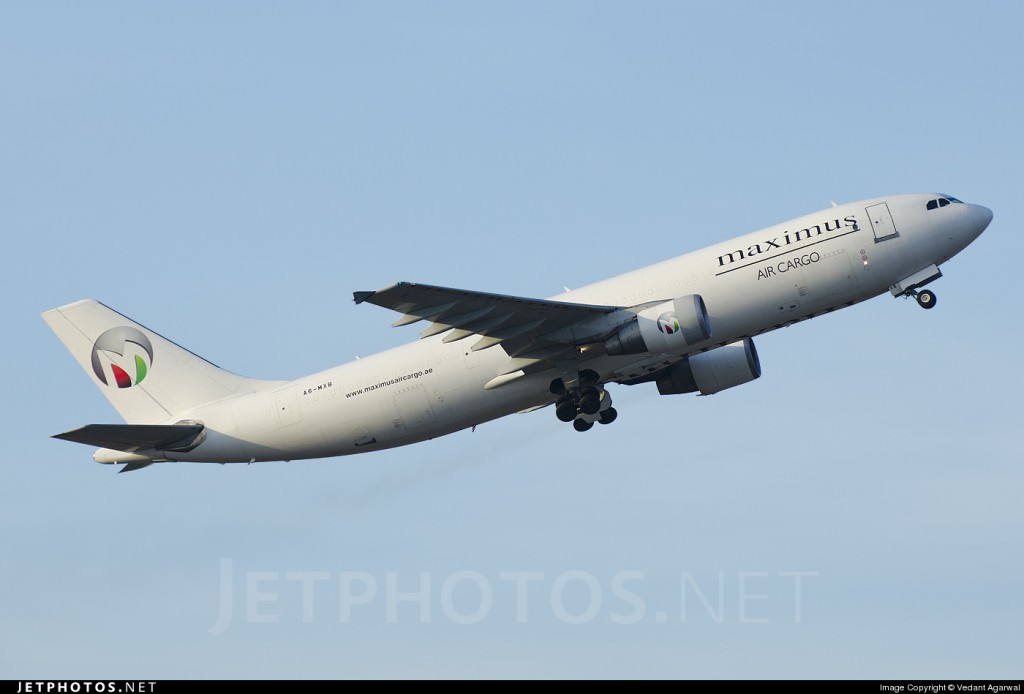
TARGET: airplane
(686,325)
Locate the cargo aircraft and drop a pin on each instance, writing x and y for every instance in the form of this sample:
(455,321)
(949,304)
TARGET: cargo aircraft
(687,325)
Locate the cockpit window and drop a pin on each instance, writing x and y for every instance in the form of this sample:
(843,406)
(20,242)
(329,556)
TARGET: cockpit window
(942,202)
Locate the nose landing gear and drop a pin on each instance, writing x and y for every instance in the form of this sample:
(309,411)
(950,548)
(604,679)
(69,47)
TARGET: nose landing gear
(909,286)
(925,298)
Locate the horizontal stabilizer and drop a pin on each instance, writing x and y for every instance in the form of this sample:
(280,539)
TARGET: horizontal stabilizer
(135,437)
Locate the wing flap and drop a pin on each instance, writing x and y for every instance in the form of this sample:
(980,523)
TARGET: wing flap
(507,334)
(463,319)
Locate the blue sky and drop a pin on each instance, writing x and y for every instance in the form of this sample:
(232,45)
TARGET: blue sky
(229,173)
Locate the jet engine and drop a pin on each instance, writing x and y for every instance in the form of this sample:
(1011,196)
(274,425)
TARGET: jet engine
(667,327)
(709,372)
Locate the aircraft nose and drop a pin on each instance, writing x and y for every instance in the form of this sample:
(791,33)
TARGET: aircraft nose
(983,217)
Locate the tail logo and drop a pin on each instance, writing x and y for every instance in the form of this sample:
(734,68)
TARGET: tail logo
(125,350)
(668,323)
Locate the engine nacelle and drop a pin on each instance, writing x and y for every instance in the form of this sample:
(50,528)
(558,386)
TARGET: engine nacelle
(669,327)
(709,372)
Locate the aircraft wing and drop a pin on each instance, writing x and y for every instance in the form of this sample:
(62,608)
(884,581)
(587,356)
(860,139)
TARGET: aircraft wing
(532,331)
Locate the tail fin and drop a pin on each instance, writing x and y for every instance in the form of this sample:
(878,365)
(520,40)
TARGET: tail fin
(146,377)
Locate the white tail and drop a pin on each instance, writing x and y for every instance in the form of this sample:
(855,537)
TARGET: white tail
(146,377)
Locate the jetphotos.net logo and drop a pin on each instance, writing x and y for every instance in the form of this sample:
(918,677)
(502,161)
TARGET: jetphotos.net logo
(122,357)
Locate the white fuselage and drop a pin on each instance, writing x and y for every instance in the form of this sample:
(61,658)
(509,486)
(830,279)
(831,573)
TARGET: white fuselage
(750,285)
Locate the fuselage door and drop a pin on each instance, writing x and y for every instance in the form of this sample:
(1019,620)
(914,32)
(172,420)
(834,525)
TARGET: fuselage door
(414,407)
(881,222)
(288,406)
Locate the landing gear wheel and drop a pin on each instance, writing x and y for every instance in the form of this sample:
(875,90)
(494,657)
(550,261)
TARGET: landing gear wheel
(608,416)
(582,425)
(926,299)
(565,410)
(590,400)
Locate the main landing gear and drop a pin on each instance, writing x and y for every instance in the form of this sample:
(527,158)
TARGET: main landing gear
(585,404)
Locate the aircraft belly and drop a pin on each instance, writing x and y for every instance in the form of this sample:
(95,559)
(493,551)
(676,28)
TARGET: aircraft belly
(422,391)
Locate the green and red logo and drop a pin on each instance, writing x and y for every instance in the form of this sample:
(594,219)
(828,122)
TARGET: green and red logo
(668,323)
(124,353)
